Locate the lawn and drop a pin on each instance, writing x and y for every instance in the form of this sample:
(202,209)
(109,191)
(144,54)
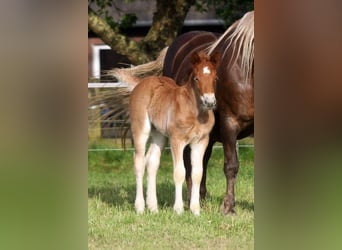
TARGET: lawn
(113,223)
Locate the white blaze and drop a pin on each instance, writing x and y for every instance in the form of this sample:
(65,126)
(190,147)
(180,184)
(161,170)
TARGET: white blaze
(206,70)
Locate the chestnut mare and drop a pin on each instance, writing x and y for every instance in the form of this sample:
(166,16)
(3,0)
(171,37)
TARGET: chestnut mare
(235,94)
(160,108)
(234,114)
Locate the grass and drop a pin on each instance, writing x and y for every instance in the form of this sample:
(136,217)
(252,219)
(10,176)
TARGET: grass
(113,223)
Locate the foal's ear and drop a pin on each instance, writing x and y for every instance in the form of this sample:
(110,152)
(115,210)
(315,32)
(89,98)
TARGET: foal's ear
(215,58)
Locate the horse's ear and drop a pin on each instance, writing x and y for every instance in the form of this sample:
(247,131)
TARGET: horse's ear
(195,58)
(215,58)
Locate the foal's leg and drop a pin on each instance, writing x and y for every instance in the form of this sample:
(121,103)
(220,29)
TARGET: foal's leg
(140,132)
(152,162)
(178,173)
(197,152)
(187,163)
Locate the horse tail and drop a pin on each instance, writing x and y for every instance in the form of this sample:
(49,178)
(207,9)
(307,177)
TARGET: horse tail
(116,100)
(131,75)
(125,76)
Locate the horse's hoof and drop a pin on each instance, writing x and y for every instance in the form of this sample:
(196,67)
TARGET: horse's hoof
(203,194)
(225,210)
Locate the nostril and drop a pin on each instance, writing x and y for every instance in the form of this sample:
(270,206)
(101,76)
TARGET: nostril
(212,102)
(209,100)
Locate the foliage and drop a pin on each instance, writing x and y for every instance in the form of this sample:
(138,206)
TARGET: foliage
(232,10)
(228,10)
(202,5)
(106,7)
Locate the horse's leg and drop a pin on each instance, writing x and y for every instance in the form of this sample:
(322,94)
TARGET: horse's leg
(231,168)
(187,164)
(207,154)
(152,163)
(197,152)
(178,173)
(140,137)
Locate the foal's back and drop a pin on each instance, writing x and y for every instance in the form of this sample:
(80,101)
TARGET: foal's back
(151,100)
(167,106)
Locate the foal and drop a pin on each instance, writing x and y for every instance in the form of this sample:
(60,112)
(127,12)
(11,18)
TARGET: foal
(160,108)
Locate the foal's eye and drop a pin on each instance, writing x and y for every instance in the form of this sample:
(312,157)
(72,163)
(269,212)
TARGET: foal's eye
(195,79)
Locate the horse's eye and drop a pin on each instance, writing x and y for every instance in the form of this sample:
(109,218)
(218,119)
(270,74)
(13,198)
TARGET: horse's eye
(195,79)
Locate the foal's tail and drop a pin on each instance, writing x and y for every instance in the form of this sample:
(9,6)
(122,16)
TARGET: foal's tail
(116,100)
(125,76)
(131,76)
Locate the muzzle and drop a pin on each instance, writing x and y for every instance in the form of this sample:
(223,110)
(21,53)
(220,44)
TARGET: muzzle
(208,101)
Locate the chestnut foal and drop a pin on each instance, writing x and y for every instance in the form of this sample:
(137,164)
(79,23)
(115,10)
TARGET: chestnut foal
(159,108)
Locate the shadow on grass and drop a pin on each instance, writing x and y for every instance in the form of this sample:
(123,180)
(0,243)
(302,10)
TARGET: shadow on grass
(245,205)
(115,196)
(125,195)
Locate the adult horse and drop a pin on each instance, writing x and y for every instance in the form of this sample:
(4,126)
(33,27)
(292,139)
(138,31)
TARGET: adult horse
(235,93)
(234,115)
(159,108)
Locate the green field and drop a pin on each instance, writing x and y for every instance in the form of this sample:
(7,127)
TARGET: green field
(113,223)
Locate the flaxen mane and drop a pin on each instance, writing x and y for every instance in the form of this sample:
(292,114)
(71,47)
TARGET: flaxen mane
(240,37)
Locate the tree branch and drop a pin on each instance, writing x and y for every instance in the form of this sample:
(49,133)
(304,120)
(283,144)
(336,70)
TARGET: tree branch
(118,42)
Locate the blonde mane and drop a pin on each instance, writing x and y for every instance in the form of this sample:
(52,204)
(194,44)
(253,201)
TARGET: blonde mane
(240,37)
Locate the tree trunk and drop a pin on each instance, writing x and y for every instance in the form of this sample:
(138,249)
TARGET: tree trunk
(167,23)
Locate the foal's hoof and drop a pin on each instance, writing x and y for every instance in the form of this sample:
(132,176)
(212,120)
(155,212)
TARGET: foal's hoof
(178,210)
(152,206)
(196,213)
(195,209)
(153,210)
(139,207)
(139,211)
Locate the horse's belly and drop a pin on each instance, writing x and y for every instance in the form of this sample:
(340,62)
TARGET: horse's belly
(160,125)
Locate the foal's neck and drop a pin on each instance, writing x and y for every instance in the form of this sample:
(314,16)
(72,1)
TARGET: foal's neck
(194,94)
